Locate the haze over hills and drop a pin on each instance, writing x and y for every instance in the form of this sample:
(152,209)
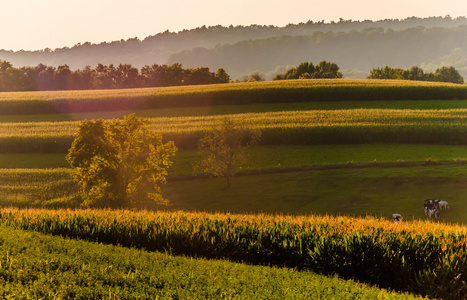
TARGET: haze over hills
(356,46)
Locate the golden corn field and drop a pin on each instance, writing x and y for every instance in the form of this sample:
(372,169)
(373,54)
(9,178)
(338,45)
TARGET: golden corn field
(146,92)
(223,94)
(446,126)
(289,119)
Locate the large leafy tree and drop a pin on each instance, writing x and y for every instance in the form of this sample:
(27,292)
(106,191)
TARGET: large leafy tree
(307,70)
(222,76)
(448,74)
(443,74)
(223,148)
(198,76)
(119,163)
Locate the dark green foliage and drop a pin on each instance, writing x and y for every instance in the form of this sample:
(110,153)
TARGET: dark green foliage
(448,74)
(222,76)
(443,74)
(42,77)
(307,71)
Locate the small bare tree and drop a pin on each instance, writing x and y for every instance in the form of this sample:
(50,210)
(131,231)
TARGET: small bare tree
(223,148)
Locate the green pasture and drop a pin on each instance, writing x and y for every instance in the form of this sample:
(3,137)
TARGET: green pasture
(353,180)
(277,157)
(350,190)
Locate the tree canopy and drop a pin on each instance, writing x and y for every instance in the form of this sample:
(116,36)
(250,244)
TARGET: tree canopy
(443,74)
(307,70)
(44,77)
(120,162)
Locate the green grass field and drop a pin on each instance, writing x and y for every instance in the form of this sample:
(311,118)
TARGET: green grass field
(355,192)
(349,190)
(263,157)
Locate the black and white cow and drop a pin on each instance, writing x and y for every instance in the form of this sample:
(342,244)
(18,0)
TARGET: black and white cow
(434,203)
(433,213)
(428,206)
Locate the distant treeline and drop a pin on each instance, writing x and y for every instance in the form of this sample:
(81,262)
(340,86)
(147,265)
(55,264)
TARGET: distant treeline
(42,77)
(443,74)
(356,46)
(307,70)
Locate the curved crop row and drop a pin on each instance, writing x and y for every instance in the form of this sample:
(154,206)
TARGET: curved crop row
(225,94)
(354,126)
(418,257)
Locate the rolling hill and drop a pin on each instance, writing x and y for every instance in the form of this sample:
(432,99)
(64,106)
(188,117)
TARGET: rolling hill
(356,46)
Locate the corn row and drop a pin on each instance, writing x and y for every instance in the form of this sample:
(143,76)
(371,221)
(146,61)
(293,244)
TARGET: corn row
(419,257)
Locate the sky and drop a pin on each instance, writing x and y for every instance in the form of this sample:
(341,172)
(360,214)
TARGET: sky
(40,24)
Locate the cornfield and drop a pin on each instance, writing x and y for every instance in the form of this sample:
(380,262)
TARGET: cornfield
(419,257)
(356,126)
(237,93)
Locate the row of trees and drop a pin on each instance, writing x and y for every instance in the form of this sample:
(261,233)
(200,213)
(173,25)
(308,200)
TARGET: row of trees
(307,70)
(44,77)
(443,74)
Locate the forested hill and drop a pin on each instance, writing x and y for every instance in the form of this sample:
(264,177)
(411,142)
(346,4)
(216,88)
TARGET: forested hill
(356,46)
(355,52)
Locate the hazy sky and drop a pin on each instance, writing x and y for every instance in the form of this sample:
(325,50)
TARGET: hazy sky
(38,24)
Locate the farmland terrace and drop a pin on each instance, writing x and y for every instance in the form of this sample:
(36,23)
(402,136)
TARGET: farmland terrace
(336,159)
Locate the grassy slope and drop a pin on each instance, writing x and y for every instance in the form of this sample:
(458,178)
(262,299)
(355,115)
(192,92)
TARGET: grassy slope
(39,266)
